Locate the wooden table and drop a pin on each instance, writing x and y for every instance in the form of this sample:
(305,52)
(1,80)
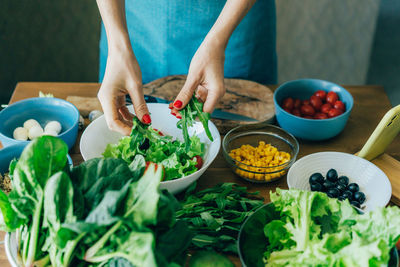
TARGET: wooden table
(370,104)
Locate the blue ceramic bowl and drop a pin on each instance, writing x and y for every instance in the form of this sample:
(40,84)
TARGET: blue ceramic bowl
(9,153)
(310,129)
(42,109)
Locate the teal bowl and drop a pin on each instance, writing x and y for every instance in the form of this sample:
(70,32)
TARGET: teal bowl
(310,129)
(42,109)
(252,242)
(9,153)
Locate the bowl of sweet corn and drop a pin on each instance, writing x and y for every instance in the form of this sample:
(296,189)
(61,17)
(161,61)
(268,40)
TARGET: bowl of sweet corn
(260,153)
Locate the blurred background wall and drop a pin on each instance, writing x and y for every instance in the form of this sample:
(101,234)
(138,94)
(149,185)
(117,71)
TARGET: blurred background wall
(47,40)
(343,41)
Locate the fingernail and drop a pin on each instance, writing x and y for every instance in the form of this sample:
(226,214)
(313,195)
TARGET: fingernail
(179,117)
(170,107)
(178,104)
(146,119)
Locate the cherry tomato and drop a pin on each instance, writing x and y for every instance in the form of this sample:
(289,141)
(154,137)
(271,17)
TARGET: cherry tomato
(308,117)
(325,108)
(316,102)
(307,110)
(199,161)
(321,94)
(306,102)
(288,103)
(297,103)
(334,112)
(339,105)
(320,116)
(287,110)
(332,97)
(296,112)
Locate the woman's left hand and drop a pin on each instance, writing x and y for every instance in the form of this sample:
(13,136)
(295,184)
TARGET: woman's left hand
(206,74)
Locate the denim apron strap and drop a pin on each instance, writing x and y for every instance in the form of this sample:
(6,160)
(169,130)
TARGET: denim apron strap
(165,34)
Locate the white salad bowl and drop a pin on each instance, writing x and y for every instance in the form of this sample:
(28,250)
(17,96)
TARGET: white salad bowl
(372,181)
(97,135)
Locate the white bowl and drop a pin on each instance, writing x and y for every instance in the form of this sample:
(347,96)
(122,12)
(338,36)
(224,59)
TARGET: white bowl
(373,181)
(97,135)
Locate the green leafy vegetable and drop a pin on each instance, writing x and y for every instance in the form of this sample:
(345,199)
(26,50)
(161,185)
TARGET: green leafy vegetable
(193,110)
(146,145)
(315,230)
(103,212)
(216,214)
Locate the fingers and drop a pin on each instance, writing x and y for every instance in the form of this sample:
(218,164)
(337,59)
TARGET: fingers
(113,118)
(139,104)
(126,115)
(213,97)
(186,93)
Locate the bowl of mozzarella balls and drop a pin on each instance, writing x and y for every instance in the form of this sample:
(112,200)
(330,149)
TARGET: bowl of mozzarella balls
(28,119)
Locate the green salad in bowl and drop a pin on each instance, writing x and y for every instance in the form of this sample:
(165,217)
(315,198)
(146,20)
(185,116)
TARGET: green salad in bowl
(302,228)
(177,158)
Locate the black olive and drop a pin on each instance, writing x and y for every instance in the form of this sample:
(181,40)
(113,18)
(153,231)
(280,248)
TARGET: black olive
(316,178)
(359,197)
(328,184)
(344,180)
(355,203)
(340,187)
(341,198)
(332,175)
(333,192)
(353,187)
(145,144)
(316,187)
(347,194)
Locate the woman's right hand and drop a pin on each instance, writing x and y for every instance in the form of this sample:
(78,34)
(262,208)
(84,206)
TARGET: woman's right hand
(122,76)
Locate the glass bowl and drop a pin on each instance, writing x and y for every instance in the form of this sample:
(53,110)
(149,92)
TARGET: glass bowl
(253,134)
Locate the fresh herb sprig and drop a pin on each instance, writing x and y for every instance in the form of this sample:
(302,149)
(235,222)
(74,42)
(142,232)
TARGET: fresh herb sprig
(216,214)
(193,110)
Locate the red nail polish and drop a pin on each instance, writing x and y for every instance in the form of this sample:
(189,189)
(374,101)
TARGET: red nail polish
(146,119)
(178,104)
(179,117)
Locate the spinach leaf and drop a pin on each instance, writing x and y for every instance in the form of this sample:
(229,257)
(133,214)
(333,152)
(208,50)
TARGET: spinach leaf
(58,209)
(193,110)
(41,158)
(216,214)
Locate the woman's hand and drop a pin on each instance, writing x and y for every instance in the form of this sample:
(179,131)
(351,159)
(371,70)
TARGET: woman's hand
(205,77)
(122,77)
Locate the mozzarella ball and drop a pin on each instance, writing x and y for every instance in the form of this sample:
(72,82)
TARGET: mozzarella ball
(35,131)
(50,132)
(53,126)
(21,134)
(30,123)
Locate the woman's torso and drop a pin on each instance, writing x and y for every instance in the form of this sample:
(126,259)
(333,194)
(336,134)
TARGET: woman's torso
(165,34)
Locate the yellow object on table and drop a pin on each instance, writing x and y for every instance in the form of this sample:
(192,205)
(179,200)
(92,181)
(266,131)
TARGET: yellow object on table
(255,160)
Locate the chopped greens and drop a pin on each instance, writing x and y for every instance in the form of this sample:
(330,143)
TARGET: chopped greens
(193,110)
(146,142)
(103,212)
(216,214)
(314,230)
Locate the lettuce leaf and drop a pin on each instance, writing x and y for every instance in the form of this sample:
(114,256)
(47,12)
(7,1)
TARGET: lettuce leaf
(315,230)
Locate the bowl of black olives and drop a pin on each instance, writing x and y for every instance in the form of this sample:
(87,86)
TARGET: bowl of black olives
(342,176)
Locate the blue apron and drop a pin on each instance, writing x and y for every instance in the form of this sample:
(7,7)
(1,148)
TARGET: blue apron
(165,34)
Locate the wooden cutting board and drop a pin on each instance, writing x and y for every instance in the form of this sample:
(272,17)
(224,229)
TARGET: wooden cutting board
(242,97)
(391,167)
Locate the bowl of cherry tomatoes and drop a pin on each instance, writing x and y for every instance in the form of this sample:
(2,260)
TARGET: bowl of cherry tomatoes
(312,109)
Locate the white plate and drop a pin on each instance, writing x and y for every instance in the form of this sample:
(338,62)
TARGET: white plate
(97,135)
(372,181)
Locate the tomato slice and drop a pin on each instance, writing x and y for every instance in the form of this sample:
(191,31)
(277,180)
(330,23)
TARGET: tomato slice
(199,161)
